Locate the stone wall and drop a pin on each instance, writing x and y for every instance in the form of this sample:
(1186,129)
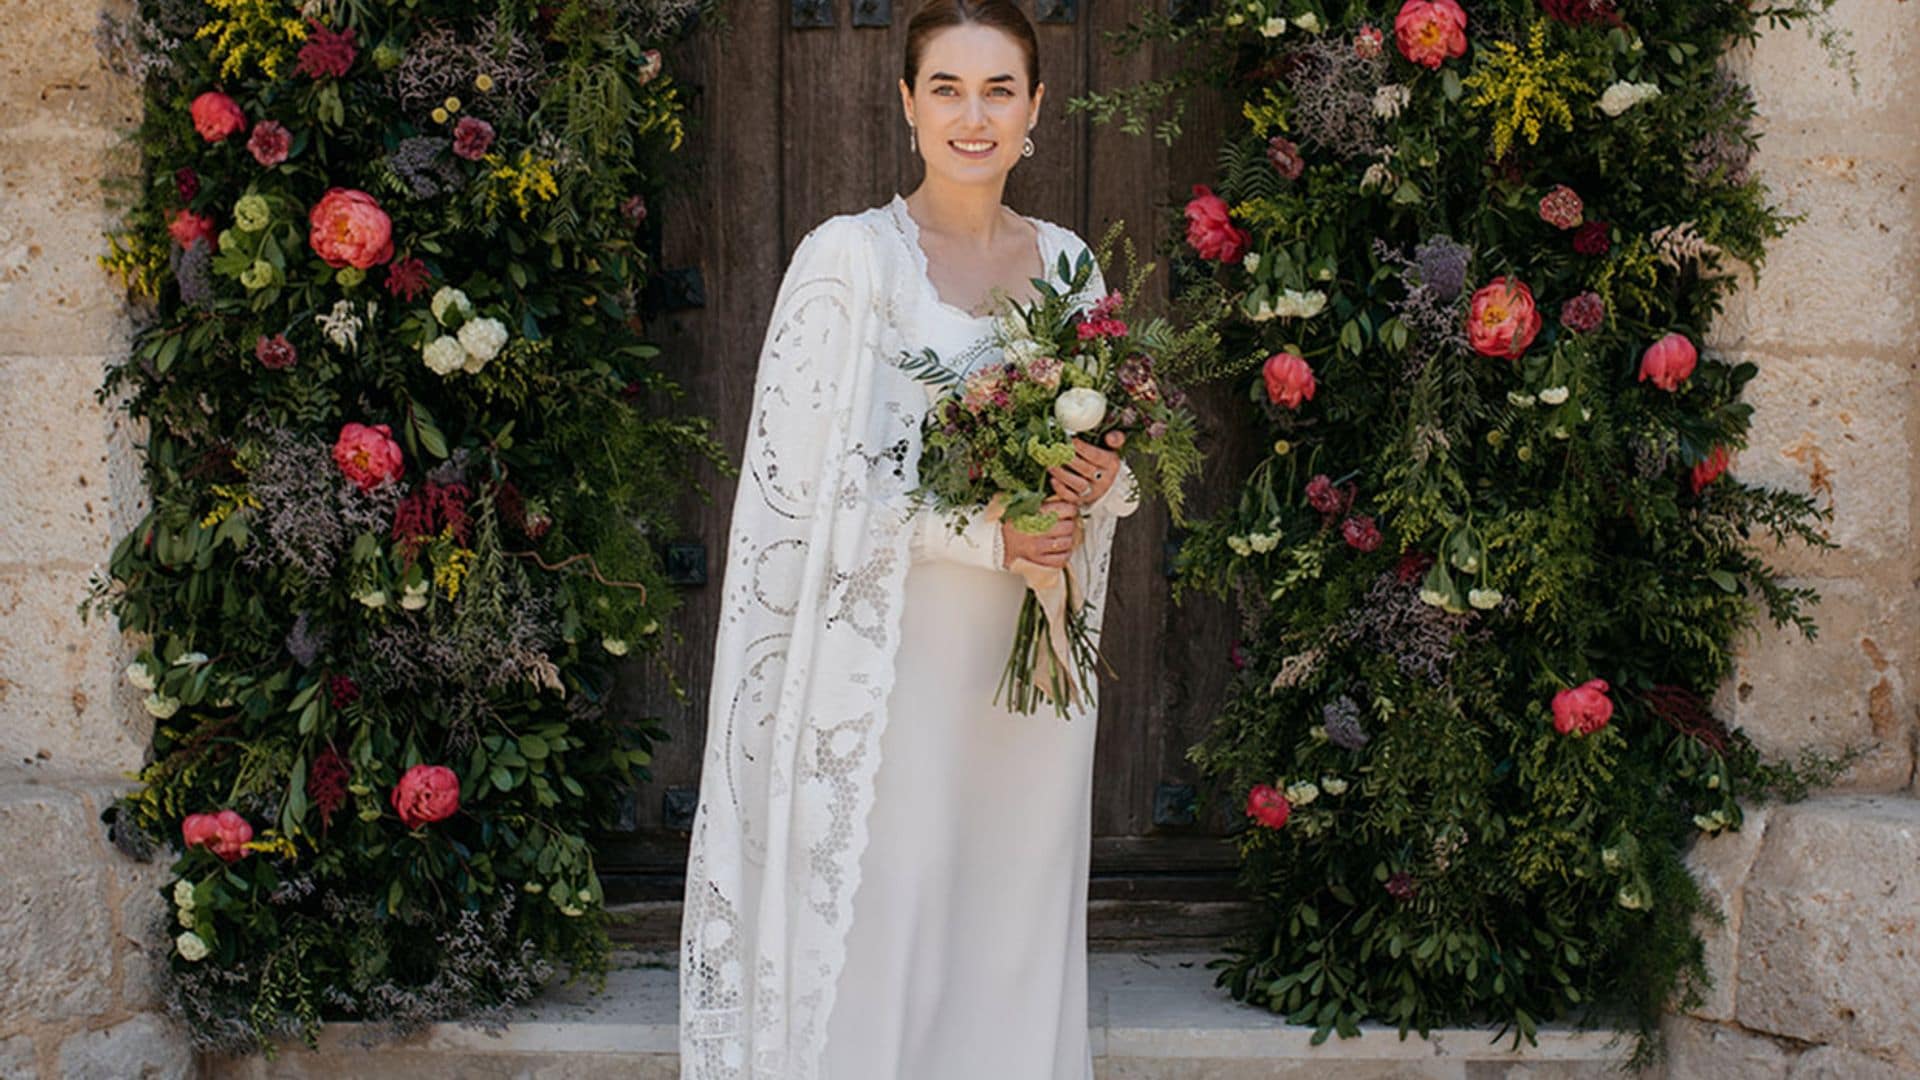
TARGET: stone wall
(1816,961)
(81,926)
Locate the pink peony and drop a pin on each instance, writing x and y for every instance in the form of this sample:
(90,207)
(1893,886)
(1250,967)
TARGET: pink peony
(1360,533)
(185,227)
(1267,806)
(1709,468)
(1582,710)
(1284,155)
(326,53)
(1289,379)
(269,143)
(350,229)
(368,456)
(1584,313)
(1429,32)
(225,833)
(1367,41)
(1210,231)
(216,116)
(426,794)
(1562,208)
(472,137)
(1324,497)
(275,353)
(1668,362)
(1503,320)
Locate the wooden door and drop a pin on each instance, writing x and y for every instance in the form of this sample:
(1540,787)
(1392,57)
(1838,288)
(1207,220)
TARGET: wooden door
(795,123)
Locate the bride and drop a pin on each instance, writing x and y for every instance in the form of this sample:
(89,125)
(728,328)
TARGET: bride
(888,873)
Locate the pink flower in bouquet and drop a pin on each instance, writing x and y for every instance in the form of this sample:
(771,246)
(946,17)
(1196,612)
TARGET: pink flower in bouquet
(1584,313)
(269,143)
(1710,468)
(1100,322)
(326,53)
(1592,238)
(1502,320)
(1267,806)
(275,353)
(1325,498)
(1135,375)
(982,388)
(1368,41)
(1429,32)
(1562,208)
(217,116)
(1045,371)
(1285,157)
(426,794)
(1668,362)
(185,227)
(472,137)
(1360,533)
(350,229)
(1289,379)
(1582,710)
(367,455)
(407,278)
(225,833)
(1211,231)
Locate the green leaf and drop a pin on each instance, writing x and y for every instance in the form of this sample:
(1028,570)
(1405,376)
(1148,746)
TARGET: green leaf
(1450,84)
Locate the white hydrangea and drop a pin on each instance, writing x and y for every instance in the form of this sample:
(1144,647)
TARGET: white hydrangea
(373,598)
(1299,305)
(183,894)
(1308,22)
(1390,99)
(413,597)
(1240,546)
(1554,395)
(1333,785)
(192,948)
(1273,27)
(482,339)
(160,706)
(450,301)
(139,676)
(444,354)
(1485,599)
(614,646)
(1302,793)
(1251,263)
(1624,95)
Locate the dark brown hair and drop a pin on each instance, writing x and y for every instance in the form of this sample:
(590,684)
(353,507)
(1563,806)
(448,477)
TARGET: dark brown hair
(1003,15)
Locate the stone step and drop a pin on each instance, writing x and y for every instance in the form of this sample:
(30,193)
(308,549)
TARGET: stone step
(1154,1016)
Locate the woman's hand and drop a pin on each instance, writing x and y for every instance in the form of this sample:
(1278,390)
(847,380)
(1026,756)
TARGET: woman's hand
(1051,548)
(1091,472)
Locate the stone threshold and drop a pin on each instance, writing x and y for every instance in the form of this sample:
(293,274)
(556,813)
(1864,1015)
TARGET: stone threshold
(1154,1016)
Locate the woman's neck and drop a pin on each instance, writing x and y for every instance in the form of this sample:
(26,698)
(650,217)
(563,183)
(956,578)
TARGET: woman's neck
(970,214)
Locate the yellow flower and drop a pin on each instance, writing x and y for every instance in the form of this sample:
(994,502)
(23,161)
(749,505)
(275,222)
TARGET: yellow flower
(483,82)
(452,104)
(526,179)
(449,575)
(1524,90)
(439,116)
(1282,447)
(250,31)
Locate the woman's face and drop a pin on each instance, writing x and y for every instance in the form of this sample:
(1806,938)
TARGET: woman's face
(972,108)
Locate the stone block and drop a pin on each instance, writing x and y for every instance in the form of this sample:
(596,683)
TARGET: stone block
(55,300)
(51,73)
(146,1047)
(1834,1063)
(56,441)
(1844,689)
(1720,864)
(1858,227)
(1830,935)
(17,1058)
(1800,83)
(1702,1051)
(54,907)
(63,701)
(145,930)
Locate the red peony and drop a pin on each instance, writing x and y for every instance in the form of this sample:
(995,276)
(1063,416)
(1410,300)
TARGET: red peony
(472,137)
(1710,468)
(1668,362)
(1289,379)
(407,278)
(1368,41)
(185,227)
(1584,313)
(275,353)
(1502,320)
(1210,231)
(326,54)
(1592,238)
(348,228)
(1429,32)
(1267,806)
(368,456)
(269,143)
(225,833)
(1285,157)
(1360,533)
(426,794)
(1562,208)
(1582,710)
(216,116)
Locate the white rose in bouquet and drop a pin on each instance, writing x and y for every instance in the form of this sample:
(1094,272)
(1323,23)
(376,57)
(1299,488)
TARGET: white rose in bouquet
(1080,409)
(444,354)
(482,339)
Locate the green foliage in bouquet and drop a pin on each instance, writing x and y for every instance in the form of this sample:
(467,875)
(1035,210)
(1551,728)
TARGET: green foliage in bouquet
(409,462)
(1494,566)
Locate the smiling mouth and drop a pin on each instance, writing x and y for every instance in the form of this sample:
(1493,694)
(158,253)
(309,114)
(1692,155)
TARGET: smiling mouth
(973,147)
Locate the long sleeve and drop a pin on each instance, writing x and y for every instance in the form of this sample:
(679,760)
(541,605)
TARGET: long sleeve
(979,543)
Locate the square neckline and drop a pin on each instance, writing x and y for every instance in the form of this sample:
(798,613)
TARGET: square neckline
(910,230)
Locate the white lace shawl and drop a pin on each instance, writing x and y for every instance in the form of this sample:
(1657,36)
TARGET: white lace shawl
(818,552)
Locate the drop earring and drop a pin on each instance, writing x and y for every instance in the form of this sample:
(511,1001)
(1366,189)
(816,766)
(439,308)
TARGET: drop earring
(913,138)
(1026,149)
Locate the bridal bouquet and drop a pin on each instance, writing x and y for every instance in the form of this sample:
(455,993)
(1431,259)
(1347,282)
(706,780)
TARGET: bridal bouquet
(990,439)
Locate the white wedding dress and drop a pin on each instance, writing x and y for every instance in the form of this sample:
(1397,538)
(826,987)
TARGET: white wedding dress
(888,875)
